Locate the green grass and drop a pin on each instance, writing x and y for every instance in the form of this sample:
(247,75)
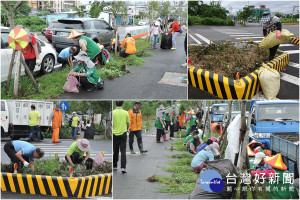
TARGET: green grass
(178,145)
(51,84)
(183,178)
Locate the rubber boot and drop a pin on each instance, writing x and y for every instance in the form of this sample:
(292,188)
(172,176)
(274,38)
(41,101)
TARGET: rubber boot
(165,137)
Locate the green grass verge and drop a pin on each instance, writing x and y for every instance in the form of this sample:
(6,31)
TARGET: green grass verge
(51,84)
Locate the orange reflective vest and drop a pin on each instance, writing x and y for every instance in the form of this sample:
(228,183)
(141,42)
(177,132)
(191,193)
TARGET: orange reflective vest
(129,44)
(56,119)
(181,119)
(135,120)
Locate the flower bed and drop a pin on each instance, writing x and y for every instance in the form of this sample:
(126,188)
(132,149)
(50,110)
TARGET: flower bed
(222,86)
(51,177)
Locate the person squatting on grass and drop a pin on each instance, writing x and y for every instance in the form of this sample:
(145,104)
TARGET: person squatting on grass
(135,127)
(120,129)
(76,151)
(176,29)
(155,30)
(23,153)
(129,45)
(86,72)
(193,144)
(34,123)
(208,153)
(189,137)
(56,119)
(66,55)
(270,24)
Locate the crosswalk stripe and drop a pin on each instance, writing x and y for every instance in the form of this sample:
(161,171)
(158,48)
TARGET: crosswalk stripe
(203,38)
(296,65)
(242,35)
(290,78)
(286,45)
(198,42)
(243,38)
(292,51)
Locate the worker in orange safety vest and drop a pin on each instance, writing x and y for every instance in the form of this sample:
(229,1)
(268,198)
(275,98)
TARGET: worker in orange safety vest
(56,118)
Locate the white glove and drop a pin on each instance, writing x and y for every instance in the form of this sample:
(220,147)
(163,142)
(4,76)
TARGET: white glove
(83,162)
(38,62)
(167,33)
(171,124)
(26,164)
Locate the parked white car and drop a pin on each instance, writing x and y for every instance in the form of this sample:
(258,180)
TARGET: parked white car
(143,22)
(48,56)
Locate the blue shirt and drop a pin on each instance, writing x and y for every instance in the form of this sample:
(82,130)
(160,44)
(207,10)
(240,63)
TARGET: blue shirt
(202,156)
(26,148)
(201,147)
(65,53)
(263,168)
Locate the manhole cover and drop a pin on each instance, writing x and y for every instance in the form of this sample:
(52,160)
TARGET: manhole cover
(173,78)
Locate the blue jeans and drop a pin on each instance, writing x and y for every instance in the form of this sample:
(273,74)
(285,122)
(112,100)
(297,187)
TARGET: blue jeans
(37,128)
(74,131)
(174,38)
(154,40)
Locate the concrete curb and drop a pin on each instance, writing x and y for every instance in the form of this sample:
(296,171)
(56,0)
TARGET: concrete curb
(227,88)
(94,185)
(294,40)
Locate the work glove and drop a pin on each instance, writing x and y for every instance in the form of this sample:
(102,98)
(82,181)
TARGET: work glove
(278,35)
(167,33)
(38,62)
(171,124)
(83,162)
(26,164)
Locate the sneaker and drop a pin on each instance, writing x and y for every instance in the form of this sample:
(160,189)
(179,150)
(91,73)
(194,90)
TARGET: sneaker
(132,152)
(143,151)
(90,89)
(115,168)
(173,48)
(123,170)
(158,142)
(184,65)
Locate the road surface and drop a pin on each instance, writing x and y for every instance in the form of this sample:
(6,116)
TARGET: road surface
(159,78)
(289,83)
(133,184)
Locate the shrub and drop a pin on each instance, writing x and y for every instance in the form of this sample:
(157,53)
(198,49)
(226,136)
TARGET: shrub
(194,20)
(33,23)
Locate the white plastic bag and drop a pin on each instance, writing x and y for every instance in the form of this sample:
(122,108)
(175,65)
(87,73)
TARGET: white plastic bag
(233,138)
(269,80)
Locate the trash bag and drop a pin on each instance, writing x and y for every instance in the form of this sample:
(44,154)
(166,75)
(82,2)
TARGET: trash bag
(269,80)
(166,41)
(224,167)
(271,40)
(99,160)
(71,84)
(89,133)
(233,135)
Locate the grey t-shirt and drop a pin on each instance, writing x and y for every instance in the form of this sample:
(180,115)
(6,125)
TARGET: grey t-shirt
(271,25)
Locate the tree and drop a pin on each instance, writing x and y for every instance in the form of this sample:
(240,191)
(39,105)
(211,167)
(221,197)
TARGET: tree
(12,9)
(79,10)
(117,7)
(96,9)
(245,14)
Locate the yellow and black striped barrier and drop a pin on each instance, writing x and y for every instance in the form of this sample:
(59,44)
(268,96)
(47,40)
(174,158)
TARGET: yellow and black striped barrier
(294,40)
(227,88)
(94,185)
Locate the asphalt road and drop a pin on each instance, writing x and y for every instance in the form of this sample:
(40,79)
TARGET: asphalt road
(289,83)
(159,78)
(51,149)
(133,184)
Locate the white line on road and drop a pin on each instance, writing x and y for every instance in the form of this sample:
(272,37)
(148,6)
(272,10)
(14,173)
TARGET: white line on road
(243,38)
(198,42)
(242,35)
(257,41)
(289,78)
(292,51)
(292,64)
(286,45)
(203,38)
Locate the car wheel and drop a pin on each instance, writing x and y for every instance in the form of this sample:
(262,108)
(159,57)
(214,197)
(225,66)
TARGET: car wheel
(47,64)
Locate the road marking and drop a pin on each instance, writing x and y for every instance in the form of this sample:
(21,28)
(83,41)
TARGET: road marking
(243,38)
(203,38)
(286,45)
(289,78)
(198,42)
(292,64)
(292,51)
(257,41)
(242,35)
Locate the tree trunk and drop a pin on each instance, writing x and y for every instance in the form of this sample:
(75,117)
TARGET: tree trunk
(11,65)
(224,133)
(206,118)
(17,75)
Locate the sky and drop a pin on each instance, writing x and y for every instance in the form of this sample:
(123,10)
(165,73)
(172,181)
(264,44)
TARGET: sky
(274,6)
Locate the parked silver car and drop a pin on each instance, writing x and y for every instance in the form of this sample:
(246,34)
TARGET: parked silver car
(96,29)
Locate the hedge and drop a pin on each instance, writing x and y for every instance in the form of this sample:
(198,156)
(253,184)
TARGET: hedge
(33,23)
(194,20)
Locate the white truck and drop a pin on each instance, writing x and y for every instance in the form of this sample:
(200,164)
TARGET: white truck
(107,16)
(15,117)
